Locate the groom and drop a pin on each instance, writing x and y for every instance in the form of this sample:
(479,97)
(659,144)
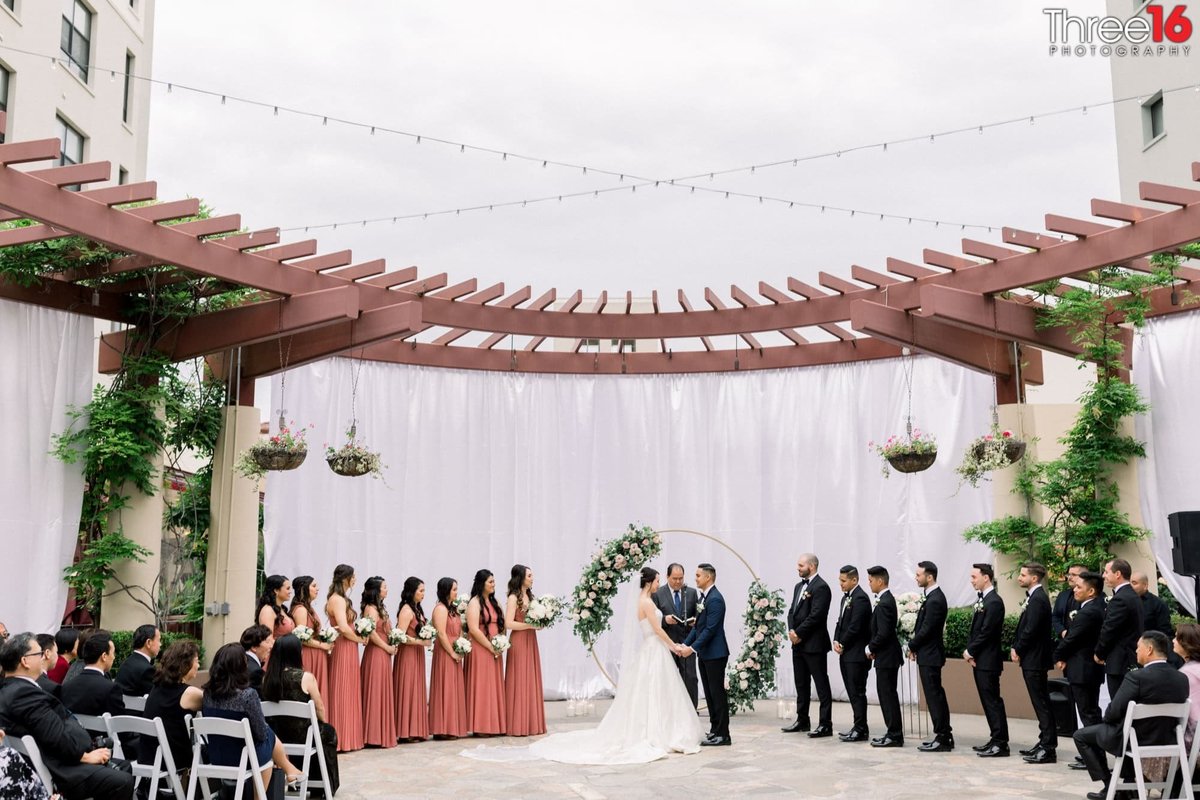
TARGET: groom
(707,640)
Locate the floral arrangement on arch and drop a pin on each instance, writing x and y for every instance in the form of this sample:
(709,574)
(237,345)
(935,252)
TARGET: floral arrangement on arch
(752,675)
(285,449)
(908,605)
(992,451)
(353,459)
(611,565)
(916,443)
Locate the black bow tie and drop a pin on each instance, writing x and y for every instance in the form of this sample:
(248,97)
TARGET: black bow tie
(1029,594)
(846,595)
(980,595)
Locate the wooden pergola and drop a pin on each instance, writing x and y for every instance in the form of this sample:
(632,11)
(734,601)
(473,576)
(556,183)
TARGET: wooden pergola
(959,307)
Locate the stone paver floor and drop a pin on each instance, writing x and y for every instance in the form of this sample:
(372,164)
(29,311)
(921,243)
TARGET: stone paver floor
(763,762)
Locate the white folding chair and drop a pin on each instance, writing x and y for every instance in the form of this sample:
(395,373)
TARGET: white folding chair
(27,747)
(93,724)
(310,746)
(1132,749)
(248,767)
(164,763)
(135,702)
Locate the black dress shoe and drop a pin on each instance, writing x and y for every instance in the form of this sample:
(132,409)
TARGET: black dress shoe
(979,748)
(995,751)
(799,726)
(1033,751)
(717,741)
(854,736)
(936,746)
(1100,795)
(1077,765)
(820,732)
(887,741)
(1042,757)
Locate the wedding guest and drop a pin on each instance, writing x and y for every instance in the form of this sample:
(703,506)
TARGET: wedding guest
(344,703)
(1187,646)
(49,659)
(1031,651)
(1123,622)
(677,602)
(524,703)
(93,692)
(1065,603)
(78,770)
(886,655)
(378,692)
(76,667)
(1075,654)
(18,781)
(484,672)
(67,642)
(316,653)
(136,675)
(412,707)
(277,590)
(257,641)
(228,695)
(447,691)
(928,648)
(850,637)
(1155,614)
(286,679)
(984,655)
(808,632)
(171,699)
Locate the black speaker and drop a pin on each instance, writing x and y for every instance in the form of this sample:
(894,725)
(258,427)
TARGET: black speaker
(1185,542)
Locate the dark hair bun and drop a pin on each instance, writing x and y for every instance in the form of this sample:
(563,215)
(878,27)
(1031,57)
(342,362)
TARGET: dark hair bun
(648,576)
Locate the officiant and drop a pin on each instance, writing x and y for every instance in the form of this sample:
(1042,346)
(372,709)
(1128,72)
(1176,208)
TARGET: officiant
(677,602)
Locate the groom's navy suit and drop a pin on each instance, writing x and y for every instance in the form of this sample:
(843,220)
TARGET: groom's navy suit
(708,640)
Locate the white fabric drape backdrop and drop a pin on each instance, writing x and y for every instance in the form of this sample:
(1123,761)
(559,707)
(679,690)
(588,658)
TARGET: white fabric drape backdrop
(487,469)
(46,365)
(1165,369)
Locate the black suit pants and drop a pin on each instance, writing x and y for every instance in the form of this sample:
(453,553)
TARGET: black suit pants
(1039,698)
(102,783)
(712,675)
(987,683)
(1114,683)
(1092,743)
(935,699)
(1087,702)
(812,669)
(687,671)
(854,675)
(889,700)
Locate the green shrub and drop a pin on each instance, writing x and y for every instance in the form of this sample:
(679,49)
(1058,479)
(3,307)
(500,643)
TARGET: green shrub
(958,631)
(123,641)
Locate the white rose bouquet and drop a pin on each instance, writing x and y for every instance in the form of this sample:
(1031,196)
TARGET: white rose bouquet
(500,644)
(303,633)
(462,645)
(328,635)
(364,626)
(544,611)
(460,605)
(397,637)
(427,632)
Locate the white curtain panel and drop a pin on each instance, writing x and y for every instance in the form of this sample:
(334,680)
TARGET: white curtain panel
(488,469)
(46,365)
(1164,368)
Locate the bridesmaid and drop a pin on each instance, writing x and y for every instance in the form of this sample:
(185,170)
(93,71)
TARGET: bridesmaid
(277,590)
(447,694)
(484,672)
(412,709)
(315,654)
(343,705)
(523,698)
(378,696)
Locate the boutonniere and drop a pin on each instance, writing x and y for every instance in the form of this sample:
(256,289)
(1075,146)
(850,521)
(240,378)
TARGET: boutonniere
(806,596)
(1024,603)
(699,608)
(1072,615)
(978,606)
(846,605)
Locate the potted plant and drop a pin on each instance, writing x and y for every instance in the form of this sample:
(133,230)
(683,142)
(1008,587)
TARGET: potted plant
(283,451)
(995,450)
(914,452)
(353,459)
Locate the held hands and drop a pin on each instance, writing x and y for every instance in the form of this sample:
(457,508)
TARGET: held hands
(837,648)
(793,637)
(1016,659)
(683,651)
(968,657)
(912,656)
(97,757)
(1061,665)
(1098,660)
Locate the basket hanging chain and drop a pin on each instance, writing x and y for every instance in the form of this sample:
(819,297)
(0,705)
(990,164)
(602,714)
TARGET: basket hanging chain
(283,362)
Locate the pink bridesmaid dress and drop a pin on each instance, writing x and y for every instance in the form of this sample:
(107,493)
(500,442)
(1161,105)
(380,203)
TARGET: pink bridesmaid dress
(523,700)
(316,660)
(343,704)
(412,709)
(485,687)
(284,625)
(378,696)
(447,693)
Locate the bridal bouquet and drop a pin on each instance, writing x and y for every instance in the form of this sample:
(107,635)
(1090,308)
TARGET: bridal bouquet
(303,633)
(397,637)
(328,635)
(462,645)
(364,626)
(427,632)
(500,644)
(544,611)
(460,605)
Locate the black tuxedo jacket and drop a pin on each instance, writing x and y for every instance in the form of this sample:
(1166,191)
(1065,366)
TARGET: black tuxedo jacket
(1033,643)
(1154,683)
(1079,646)
(256,672)
(26,710)
(853,629)
(986,628)
(928,640)
(1064,604)
(49,686)
(1155,615)
(93,693)
(885,642)
(664,601)
(1117,645)
(136,675)
(809,616)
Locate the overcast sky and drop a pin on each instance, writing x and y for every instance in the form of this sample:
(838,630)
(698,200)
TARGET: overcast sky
(658,89)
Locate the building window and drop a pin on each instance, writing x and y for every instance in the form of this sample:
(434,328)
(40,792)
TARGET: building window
(11,5)
(76,42)
(122,176)
(629,345)
(127,103)
(70,149)
(5,79)
(1153,126)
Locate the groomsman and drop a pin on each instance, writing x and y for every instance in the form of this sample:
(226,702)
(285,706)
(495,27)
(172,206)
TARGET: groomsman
(1032,650)
(984,655)
(1155,614)
(850,637)
(677,602)
(1065,603)
(928,649)
(808,632)
(1116,648)
(885,655)
(1075,654)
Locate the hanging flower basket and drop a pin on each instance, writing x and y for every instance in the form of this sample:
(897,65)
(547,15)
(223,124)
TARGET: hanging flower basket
(352,459)
(912,462)
(914,452)
(992,451)
(283,451)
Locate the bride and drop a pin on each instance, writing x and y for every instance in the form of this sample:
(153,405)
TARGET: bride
(651,716)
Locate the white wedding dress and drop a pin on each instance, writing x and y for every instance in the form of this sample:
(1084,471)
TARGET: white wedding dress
(651,716)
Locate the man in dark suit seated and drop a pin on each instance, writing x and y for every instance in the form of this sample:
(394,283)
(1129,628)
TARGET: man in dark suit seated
(25,710)
(93,692)
(1156,682)
(49,658)
(257,641)
(136,675)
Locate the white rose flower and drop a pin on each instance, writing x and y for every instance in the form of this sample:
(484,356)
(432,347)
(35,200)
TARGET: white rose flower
(744,684)
(589,602)
(586,614)
(591,594)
